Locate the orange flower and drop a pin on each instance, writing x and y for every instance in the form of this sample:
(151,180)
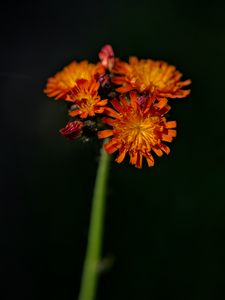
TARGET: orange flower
(59,85)
(86,100)
(156,77)
(137,128)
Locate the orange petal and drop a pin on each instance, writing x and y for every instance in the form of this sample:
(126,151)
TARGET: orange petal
(108,121)
(102,102)
(98,110)
(105,133)
(172,132)
(139,160)
(118,80)
(167,138)
(150,160)
(133,158)
(133,60)
(112,146)
(121,155)
(133,99)
(157,151)
(111,112)
(165,148)
(124,101)
(171,124)
(124,89)
(84,115)
(162,102)
(74,113)
(117,105)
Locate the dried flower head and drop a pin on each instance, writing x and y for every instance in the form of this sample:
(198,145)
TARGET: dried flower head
(138,129)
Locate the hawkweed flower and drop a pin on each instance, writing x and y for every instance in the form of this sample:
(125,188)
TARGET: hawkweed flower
(138,129)
(146,75)
(87,101)
(126,104)
(59,85)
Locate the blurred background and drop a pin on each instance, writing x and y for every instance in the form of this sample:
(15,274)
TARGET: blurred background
(164,226)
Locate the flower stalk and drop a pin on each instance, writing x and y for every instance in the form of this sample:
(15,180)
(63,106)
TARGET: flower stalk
(89,279)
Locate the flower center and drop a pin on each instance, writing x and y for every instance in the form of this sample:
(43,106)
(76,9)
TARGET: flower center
(144,73)
(85,103)
(138,133)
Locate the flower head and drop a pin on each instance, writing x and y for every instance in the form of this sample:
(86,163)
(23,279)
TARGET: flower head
(86,99)
(146,75)
(138,129)
(59,85)
(125,102)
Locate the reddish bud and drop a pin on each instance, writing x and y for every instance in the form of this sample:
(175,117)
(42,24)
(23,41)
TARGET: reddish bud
(142,100)
(106,55)
(73,130)
(104,80)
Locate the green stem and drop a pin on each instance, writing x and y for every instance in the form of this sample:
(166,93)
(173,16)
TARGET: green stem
(90,274)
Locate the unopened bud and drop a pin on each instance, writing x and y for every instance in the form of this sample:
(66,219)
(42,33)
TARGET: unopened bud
(106,55)
(142,100)
(73,130)
(105,80)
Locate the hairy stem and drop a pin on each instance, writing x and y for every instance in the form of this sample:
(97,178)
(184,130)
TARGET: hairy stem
(90,273)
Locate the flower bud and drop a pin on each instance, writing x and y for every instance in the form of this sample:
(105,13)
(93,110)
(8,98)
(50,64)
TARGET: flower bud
(73,130)
(106,55)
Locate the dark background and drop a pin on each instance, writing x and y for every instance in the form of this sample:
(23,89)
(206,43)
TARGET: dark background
(165,225)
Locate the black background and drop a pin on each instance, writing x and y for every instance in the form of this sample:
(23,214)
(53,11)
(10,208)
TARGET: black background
(164,226)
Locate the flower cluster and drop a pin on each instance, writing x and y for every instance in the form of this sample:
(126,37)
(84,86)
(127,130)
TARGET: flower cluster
(124,102)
